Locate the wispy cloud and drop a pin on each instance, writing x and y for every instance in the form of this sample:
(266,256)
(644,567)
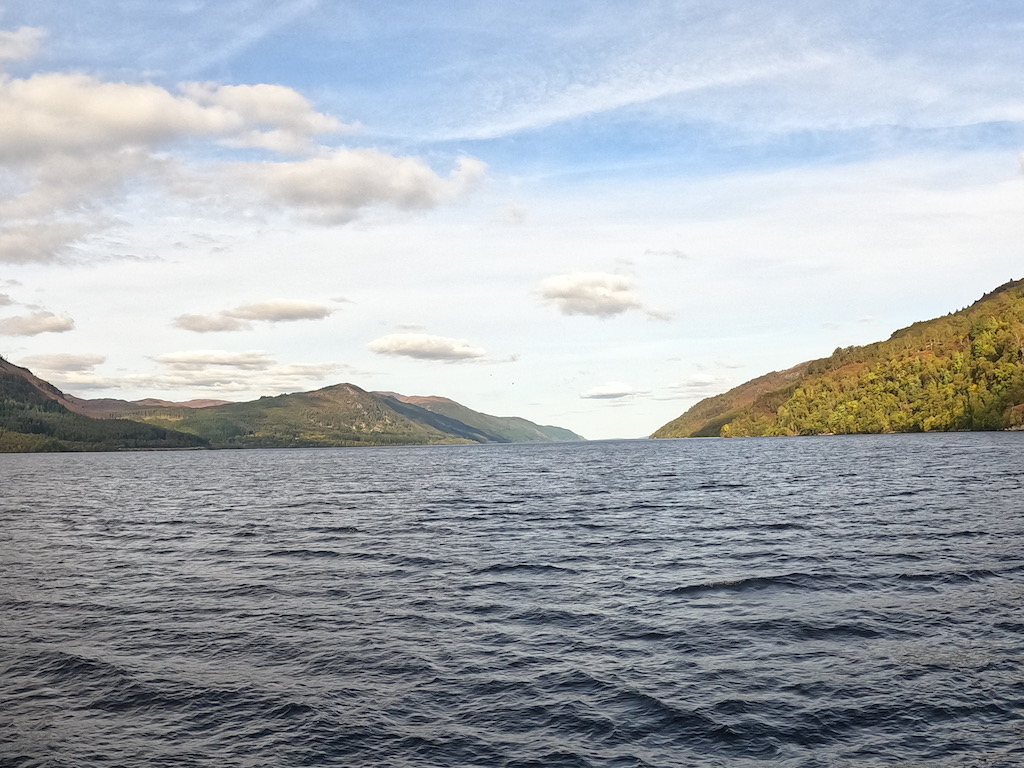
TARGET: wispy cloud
(611,390)
(21,43)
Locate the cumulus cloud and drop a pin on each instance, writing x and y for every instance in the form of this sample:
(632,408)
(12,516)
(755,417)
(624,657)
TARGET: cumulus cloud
(598,294)
(62,363)
(71,144)
(333,188)
(238,319)
(5,300)
(20,44)
(35,323)
(423,346)
(612,390)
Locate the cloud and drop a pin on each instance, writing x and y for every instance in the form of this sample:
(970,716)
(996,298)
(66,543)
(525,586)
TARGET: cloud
(696,387)
(238,319)
(73,144)
(64,362)
(20,44)
(598,294)
(201,360)
(246,374)
(231,372)
(612,390)
(281,310)
(5,300)
(422,346)
(333,188)
(35,323)
(211,323)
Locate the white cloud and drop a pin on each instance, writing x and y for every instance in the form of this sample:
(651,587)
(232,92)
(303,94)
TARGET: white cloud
(612,390)
(281,310)
(200,360)
(598,294)
(238,319)
(35,323)
(425,347)
(5,300)
(20,44)
(211,323)
(696,387)
(64,362)
(71,144)
(333,188)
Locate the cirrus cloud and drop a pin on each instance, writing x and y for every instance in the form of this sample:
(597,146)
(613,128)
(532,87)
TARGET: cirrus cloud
(36,323)
(423,346)
(598,294)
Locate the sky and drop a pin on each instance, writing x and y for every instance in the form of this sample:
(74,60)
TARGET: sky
(588,214)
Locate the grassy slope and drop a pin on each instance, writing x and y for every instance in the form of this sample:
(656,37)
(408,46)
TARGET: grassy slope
(964,371)
(499,429)
(341,415)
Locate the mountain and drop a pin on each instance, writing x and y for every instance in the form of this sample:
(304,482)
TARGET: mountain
(344,415)
(963,371)
(499,429)
(36,416)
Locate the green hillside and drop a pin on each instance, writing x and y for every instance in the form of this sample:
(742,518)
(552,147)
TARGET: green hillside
(964,371)
(498,429)
(340,415)
(32,420)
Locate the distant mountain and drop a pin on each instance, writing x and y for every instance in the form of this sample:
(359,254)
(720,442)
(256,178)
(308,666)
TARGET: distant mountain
(961,372)
(36,416)
(498,429)
(344,415)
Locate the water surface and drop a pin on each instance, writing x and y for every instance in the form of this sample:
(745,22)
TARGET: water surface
(786,602)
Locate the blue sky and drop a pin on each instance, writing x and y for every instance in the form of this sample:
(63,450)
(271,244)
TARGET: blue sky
(586,213)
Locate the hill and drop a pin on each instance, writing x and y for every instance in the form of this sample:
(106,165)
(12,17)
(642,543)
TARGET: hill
(35,416)
(499,429)
(960,372)
(342,415)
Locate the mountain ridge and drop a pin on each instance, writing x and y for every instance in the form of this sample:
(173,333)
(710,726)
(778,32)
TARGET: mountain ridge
(959,372)
(338,415)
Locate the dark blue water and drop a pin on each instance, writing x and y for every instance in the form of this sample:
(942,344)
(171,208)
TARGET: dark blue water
(786,602)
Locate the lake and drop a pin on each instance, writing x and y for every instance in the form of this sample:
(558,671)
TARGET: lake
(841,601)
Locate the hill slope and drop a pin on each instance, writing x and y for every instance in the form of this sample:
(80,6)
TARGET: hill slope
(499,429)
(339,415)
(964,371)
(35,416)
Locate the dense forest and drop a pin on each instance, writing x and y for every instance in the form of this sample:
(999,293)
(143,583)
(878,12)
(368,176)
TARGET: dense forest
(964,371)
(31,422)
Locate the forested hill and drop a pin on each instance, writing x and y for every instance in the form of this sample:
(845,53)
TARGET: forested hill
(33,417)
(964,371)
